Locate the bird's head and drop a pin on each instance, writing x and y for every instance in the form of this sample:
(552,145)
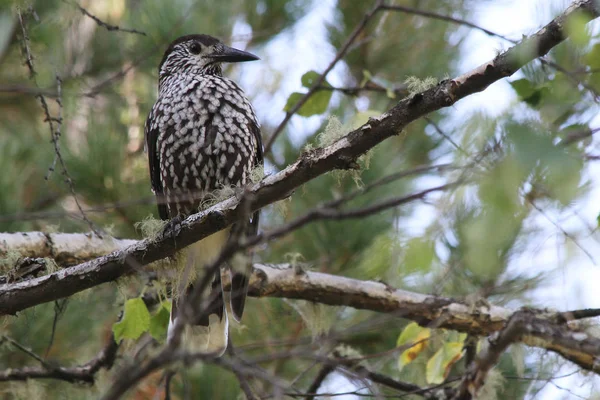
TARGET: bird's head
(199,54)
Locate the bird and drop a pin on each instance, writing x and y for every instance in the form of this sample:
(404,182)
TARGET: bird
(201,135)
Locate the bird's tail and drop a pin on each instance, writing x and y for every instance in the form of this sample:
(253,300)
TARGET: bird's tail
(208,334)
(241,269)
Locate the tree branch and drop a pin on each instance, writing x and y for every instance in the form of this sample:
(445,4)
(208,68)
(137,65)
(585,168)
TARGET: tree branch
(434,392)
(103,24)
(544,330)
(520,324)
(441,17)
(82,373)
(318,381)
(64,248)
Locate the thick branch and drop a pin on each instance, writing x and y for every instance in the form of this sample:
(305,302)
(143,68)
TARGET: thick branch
(64,248)
(339,155)
(540,330)
(547,331)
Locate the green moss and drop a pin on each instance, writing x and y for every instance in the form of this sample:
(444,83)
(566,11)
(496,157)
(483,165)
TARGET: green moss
(51,265)
(317,317)
(334,130)
(282,207)
(257,174)
(150,227)
(9,260)
(347,352)
(416,85)
(51,228)
(216,196)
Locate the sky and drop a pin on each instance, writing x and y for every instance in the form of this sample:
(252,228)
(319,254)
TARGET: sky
(574,275)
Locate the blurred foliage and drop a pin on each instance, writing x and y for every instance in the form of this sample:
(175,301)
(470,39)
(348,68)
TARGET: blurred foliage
(315,104)
(523,160)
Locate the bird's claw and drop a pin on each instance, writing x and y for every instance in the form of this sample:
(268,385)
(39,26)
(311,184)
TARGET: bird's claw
(173,227)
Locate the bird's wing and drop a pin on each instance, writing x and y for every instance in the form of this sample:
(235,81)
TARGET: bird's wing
(258,161)
(151,132)
(240,277)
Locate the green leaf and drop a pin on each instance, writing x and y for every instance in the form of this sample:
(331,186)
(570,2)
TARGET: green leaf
(316,104)
(309,78)
(440,364)
(415,338)
(418,255)
(528,92)
(577,30)
(159,323)
(135,321)
(367,76)
(523,87)
(377,258)
(562,176)
(592,58)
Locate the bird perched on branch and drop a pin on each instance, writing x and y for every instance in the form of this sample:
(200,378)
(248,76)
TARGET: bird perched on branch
(202,135)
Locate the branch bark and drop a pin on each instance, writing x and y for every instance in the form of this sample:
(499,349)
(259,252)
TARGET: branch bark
(540,329)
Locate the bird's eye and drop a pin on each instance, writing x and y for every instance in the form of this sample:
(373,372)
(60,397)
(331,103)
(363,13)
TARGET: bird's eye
(195,48)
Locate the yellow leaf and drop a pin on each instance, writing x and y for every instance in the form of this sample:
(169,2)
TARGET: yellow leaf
(414,338)
(440,364)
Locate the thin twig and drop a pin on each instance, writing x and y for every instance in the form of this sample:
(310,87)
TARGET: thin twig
(561,229)
(60,306)
(580,134)
(445,136)
(572,77)
(434,15)
(477,372)
(368,87)
(55,130)
(23,89)
(103,24)
(244,384)
(324,213)
(82,373)
(408,388)
(27,351)
(580,314)
(318,381)
(319,81)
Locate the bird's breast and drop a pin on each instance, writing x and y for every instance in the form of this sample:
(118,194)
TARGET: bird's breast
(206,139)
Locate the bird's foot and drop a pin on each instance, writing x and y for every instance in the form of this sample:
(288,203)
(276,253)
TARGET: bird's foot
(173,227)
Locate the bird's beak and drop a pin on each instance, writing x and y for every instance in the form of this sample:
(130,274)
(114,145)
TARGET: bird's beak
(234,55)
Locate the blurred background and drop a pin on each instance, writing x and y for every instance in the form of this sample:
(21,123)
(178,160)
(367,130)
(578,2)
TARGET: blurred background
(522,231)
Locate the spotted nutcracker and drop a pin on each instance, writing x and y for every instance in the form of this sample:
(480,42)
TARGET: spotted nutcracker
(202,135)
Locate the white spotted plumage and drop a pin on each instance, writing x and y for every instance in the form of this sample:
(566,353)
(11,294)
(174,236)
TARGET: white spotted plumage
(202,134)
